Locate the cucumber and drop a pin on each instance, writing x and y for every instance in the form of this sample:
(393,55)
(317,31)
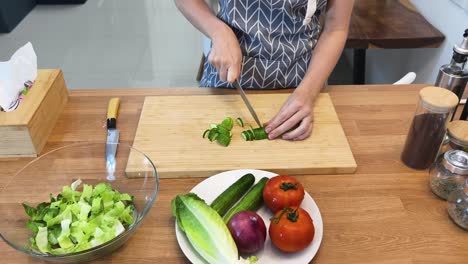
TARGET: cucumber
(232,194)
(260,133)
(250,202)
(240,122)
(227,123)
(223,139)
(254,134)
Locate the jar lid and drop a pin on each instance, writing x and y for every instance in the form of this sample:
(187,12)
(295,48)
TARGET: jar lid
(459,131)
(438,100)
(456,161)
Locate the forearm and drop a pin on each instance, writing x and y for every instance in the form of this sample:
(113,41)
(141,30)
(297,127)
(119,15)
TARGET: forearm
(325,57)
(201,16)
(329,47)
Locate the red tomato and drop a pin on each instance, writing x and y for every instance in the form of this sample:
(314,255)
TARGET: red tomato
(281,192)
(291,229)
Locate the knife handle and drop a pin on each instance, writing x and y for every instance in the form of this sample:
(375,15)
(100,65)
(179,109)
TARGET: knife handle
(112,111)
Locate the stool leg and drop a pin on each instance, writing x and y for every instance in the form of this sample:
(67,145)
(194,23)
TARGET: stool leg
(359,66)
(200,68)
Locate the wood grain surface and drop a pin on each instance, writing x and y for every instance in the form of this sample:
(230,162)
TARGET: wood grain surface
(390,24)
(385,213)
(170,129)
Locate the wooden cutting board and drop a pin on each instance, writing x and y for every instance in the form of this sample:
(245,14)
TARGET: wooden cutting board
(171,127)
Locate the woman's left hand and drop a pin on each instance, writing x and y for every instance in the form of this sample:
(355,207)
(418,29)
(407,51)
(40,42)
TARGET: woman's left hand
(298,111)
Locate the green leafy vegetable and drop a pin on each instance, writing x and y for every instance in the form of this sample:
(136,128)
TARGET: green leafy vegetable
(42,240)
(78,220)
(205,230)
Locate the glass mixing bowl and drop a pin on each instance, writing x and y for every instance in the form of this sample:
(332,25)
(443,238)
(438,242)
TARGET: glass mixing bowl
(132,172)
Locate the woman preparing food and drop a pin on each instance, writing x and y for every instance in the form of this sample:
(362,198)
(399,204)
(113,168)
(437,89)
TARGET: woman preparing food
(274,44)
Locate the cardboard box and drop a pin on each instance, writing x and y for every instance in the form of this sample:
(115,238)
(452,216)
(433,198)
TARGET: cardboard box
(24,131)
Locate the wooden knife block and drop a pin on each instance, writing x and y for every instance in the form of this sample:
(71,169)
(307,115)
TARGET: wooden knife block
(24,131)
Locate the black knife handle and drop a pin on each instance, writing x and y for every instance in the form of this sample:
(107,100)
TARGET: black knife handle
(111,123)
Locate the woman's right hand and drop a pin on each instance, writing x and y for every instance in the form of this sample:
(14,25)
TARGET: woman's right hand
(225,54)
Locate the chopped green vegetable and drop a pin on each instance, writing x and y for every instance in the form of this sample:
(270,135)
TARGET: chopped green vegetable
(221,132)
(213,134)
(254,134)
(76,221)
(247,135)
(75,184)
(205,133)
(240,122)
(224,139)
(205,230)
(42,240)
(227,123)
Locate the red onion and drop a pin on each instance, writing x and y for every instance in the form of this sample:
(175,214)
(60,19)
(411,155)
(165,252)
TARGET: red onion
(248,230)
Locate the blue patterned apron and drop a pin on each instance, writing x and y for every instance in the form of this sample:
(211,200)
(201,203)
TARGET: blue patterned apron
(276,39)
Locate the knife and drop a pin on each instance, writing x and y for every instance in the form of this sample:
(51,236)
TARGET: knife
(247,103)
(112,137)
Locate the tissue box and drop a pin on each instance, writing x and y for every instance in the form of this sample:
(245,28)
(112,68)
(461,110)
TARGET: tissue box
(24,131)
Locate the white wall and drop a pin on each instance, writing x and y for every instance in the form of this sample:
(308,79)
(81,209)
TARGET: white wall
(387,66)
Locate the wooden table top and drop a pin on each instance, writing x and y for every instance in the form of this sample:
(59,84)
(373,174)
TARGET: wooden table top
(390,24)
(385,213)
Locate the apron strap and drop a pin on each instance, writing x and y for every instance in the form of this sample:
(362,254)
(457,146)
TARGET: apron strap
(311,8)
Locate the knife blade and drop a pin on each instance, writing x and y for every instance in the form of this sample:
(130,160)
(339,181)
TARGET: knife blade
(112,137)
(247,103)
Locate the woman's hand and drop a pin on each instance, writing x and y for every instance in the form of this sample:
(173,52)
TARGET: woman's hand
(226,55)
(297,113)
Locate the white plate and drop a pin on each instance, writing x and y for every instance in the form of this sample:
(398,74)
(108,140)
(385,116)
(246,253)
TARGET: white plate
(210,188)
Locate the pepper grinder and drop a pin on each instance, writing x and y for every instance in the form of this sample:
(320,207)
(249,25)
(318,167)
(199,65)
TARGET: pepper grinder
(454,76)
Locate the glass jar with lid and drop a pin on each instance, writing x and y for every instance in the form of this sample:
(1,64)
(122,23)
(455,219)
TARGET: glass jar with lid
(458,206)
(428,128)
(457,137)
(458,134)
(449,173)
